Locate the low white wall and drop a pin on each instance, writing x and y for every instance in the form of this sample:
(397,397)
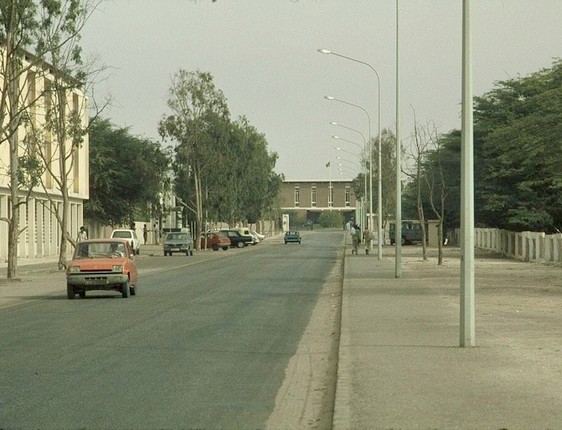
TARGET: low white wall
(525,245)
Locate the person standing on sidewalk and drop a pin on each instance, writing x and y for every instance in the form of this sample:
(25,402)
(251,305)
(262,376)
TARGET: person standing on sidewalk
(367,239)
(82,235)
(355,238)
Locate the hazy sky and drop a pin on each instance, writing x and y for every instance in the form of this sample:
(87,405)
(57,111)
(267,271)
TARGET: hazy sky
(263,56)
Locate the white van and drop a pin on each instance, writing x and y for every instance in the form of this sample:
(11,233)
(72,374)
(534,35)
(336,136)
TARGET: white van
(245,231)
(130,235)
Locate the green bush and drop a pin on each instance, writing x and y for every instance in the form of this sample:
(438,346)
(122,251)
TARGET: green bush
(331,219)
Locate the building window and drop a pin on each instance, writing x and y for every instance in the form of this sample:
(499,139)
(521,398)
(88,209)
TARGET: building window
(347,195)
(297,196)
(313,196)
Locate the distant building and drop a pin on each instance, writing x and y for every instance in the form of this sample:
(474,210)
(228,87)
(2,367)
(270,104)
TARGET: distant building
(307,199)
(41,236)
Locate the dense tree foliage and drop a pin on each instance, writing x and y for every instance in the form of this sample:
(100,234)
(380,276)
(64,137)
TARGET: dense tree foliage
(517,156)
(331,219)
(118,163)
(223,170)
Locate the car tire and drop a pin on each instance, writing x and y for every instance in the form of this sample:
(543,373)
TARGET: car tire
(225,248)
(215,247)
(133,290)
(82,294)
(70,292)
(240,244)
(191,252)
(125,289)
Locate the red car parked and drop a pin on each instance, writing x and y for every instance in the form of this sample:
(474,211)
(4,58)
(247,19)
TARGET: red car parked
(215,240)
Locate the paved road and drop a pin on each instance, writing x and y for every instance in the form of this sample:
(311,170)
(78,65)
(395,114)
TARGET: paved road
(204,344)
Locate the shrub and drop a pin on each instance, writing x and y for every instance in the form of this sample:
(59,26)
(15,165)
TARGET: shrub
(331,219)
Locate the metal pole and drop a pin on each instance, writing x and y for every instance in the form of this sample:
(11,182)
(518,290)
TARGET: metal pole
(379,196)
(398,216)
(467,319)
(379,201)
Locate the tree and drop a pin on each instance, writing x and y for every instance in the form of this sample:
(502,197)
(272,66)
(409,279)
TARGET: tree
(44,28)
(421,139)
(117,162)
(197,106)
(519,127)
(58,141)
(434,177)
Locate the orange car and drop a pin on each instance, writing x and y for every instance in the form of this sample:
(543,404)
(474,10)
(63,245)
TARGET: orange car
(102,264)
(215,240)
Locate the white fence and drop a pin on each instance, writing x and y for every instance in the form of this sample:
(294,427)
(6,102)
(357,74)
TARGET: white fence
(525,245)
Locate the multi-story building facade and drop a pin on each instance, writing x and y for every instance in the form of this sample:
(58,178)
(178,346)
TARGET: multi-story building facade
(41,236)
(307,199)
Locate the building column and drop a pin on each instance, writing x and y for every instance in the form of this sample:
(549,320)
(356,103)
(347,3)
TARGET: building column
(31,228)
(40,237)
(22,242)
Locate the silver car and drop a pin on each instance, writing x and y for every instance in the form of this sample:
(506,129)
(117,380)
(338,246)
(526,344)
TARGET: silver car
(178,242)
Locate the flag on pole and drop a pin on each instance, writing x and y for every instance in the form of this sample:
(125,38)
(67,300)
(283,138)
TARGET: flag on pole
(328,164)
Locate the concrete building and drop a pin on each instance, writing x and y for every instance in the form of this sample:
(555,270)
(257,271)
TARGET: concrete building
(307,199)
(41,235)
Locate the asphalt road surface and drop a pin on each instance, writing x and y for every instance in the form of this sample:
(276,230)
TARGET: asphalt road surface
(205,343)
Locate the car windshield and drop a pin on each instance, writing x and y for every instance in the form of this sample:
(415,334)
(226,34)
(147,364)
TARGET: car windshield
(122,234)
(100,249)
(177,236)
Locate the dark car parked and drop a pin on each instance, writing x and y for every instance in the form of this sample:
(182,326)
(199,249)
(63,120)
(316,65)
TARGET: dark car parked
(237,239)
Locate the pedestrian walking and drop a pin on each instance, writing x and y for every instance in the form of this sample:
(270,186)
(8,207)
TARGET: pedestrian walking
(355,238)
(348,228)
(145,234)
(367,238)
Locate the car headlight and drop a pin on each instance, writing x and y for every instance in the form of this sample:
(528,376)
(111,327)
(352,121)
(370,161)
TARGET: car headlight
(73,269)
(118,269)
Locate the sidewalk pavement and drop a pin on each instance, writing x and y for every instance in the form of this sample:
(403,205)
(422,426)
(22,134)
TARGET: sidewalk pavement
(400,363)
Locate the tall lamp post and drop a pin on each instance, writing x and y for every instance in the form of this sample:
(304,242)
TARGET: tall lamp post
(379,199)
(365,148)
(370,153)
(366,170)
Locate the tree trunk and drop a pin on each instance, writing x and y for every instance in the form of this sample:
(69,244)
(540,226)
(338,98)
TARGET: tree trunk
(199,208)
(64,172)
(13,141)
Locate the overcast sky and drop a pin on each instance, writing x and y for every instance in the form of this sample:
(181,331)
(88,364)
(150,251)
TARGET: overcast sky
(263,56)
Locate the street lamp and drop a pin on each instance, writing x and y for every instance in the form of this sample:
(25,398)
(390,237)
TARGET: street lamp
(349,162)
(379,199)
(352,129)
(370,154)
(364,149)
(337,148)
(348,141)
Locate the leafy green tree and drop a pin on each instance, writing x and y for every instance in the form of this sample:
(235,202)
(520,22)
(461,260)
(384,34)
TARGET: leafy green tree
(118,161)
(49,30)
(331,219)
(519,126)
(196,106)
(223,170)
